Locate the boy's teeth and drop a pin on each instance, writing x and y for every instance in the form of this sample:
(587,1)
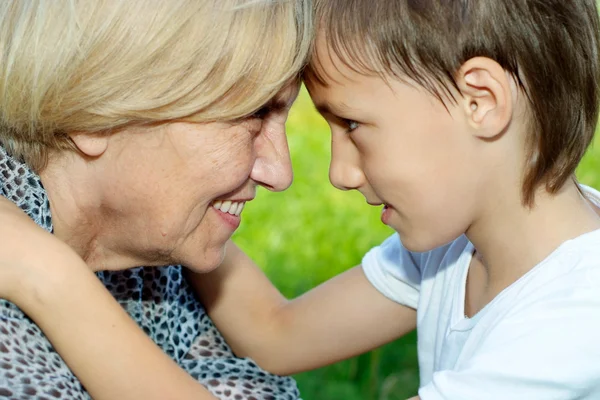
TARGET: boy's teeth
(231,207)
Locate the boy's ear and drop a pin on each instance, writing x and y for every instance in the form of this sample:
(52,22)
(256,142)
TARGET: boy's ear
(487,99)
(90,144)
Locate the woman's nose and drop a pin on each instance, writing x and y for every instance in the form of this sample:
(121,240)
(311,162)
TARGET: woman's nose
(273,166)
(345,172)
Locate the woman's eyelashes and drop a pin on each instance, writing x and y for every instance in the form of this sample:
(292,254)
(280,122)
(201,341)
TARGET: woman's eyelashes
(262,113)
(275,107)
(255,121)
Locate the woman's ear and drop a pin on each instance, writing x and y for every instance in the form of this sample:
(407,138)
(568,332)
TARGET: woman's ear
(487,99)
(90,144)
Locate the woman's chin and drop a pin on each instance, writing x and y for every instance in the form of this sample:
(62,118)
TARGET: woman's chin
(209,261)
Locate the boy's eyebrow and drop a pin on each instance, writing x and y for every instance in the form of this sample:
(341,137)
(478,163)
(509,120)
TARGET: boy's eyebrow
(325,107)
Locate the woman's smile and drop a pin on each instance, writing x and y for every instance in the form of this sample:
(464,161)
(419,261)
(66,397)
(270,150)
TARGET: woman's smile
(230,211)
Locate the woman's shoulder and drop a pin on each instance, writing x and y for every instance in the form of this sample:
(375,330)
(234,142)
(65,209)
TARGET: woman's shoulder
(21,186)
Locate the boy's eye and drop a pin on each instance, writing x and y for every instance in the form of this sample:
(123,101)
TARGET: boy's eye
(350,125)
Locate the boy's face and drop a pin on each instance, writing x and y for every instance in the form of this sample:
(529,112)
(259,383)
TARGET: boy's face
(400,147)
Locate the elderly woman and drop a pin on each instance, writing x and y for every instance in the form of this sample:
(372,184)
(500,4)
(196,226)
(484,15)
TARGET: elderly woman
(135,131)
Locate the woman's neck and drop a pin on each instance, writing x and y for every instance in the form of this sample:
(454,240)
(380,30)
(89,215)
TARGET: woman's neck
(78,216)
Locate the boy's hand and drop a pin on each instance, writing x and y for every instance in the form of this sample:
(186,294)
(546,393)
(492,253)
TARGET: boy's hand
(9,258)
(26,251)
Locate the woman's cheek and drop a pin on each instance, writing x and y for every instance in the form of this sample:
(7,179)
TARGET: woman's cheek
(240,161)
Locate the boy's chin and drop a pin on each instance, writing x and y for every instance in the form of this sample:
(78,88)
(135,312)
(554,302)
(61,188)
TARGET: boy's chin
(414,246)
(421,243)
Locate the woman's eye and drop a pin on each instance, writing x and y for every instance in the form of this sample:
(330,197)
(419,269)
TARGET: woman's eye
(350,125)
(262,113)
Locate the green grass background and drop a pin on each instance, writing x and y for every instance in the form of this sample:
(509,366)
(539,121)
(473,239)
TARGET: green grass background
(312,232)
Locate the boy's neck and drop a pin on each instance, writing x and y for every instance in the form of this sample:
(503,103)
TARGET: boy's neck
(512,239)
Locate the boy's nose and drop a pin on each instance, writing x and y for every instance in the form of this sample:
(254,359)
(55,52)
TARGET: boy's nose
(345,172)
(273,166)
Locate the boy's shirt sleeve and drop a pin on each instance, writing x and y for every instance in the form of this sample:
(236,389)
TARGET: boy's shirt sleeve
(394,271)
(545,347)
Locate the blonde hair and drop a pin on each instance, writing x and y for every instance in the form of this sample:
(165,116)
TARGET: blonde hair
(98,65)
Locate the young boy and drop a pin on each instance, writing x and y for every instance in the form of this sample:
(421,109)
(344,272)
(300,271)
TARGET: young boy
(466,120)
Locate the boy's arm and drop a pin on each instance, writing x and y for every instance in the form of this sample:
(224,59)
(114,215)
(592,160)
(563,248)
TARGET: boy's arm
(108,353)
(341,318)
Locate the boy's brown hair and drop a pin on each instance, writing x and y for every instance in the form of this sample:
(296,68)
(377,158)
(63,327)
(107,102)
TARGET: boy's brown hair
(550,47)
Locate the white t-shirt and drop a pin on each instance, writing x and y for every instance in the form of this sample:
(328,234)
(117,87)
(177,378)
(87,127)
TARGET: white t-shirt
(538,339)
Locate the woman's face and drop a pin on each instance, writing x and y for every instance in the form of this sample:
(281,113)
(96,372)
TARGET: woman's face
(174,193)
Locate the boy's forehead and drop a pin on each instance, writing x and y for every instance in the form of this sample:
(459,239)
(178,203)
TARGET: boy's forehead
(329,67)
(343,91)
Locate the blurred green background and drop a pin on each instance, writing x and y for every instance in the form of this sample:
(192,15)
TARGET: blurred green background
(312,232)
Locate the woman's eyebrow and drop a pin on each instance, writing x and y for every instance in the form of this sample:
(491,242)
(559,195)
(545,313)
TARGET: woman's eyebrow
(278,104)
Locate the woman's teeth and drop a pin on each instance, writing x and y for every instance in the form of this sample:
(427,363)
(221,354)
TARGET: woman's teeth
(230,207)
